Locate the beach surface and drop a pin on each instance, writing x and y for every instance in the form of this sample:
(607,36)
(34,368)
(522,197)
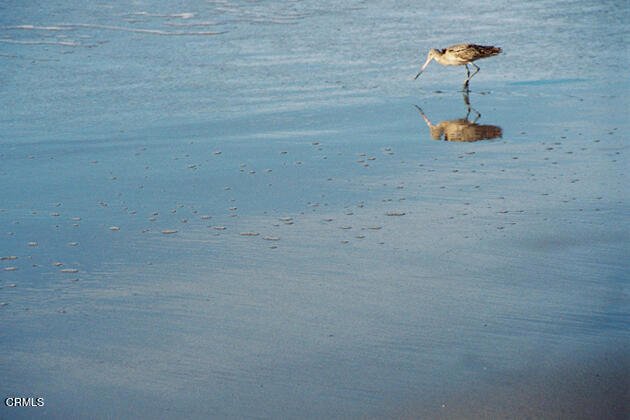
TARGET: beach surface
(234,209)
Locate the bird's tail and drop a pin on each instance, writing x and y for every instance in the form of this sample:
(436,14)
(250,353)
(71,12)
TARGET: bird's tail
(491,50)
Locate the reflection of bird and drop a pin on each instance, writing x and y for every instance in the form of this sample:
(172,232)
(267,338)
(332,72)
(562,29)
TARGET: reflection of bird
(462,129)
(460,54)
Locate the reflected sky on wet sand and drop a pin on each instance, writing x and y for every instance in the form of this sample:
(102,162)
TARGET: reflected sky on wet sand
(251,209)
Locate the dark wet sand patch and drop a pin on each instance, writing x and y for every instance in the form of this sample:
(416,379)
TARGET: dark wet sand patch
(593,389)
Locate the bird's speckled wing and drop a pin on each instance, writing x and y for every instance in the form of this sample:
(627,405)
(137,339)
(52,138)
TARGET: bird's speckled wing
(472,52)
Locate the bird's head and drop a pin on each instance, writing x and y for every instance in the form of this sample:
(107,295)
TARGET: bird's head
(432,55)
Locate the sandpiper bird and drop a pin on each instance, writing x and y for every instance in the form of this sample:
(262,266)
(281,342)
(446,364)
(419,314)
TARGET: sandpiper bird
(460,54)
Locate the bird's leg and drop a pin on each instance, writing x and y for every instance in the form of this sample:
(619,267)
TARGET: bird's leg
(476,71)
(465,87)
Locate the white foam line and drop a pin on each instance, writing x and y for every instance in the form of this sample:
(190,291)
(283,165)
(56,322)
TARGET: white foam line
(256,15)
(260,16)
(142,14)
(185,15)
(141,31)
(64,43)
(190,25)
(41,28)
(227,9)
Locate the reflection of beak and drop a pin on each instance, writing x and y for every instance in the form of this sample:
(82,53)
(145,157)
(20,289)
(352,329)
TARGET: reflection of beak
(426,120)
(423,67)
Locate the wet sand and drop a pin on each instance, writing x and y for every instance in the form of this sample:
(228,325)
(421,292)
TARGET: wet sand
(197,223)
(585,389)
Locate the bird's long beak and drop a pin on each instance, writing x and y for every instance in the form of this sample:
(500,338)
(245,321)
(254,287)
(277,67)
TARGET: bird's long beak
(423,67)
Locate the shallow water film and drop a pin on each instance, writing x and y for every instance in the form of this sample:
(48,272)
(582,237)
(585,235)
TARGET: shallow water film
(233,209)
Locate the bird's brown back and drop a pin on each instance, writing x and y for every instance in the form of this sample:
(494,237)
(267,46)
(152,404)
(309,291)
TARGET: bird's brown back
(471,52)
